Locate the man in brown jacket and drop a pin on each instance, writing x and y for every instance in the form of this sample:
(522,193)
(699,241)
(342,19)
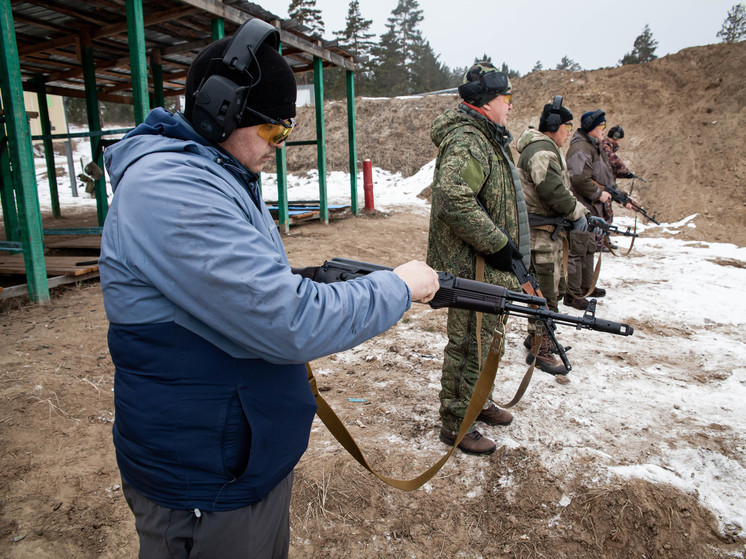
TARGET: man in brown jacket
(590,172)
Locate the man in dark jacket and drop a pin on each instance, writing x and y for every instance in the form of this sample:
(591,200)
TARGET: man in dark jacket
(589,174)
(209,326)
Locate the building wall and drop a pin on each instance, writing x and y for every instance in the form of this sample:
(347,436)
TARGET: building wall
(56,113)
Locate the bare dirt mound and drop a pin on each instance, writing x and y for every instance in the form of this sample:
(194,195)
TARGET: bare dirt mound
(684,117)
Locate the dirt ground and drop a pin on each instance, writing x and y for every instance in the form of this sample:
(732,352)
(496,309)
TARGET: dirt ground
(60,490)
(60,485)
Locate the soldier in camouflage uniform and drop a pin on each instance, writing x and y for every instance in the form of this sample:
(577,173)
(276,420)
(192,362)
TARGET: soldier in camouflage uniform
(476,190)
(546,185)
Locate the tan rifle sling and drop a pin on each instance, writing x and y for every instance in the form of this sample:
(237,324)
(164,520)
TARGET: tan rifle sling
(479,398)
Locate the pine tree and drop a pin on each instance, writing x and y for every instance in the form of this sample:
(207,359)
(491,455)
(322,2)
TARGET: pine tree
(428,73)
(306,13)
(734,26)
(508,70)
(644,49)
(568,63)
(356,38)
(538,67)
(397,53)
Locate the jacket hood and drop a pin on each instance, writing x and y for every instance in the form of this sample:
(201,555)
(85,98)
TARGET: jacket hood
(450,120)
(446,123)
(530,136)
(161,132)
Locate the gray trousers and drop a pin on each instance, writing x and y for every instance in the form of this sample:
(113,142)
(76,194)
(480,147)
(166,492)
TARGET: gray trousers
(258,531)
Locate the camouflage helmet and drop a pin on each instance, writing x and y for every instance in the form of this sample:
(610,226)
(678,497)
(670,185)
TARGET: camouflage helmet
(482,83)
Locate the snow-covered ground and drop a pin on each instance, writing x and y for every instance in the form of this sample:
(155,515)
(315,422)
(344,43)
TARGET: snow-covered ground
(667,404)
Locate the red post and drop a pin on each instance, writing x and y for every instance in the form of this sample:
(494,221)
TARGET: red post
(368,184)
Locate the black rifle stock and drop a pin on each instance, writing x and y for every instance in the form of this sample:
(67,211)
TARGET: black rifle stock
(462,293)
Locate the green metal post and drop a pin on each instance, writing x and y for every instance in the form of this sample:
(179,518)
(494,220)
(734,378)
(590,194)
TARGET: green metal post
(218,28)
(283,213)
(7,198)
(283,218)
(138,59)
(46,130)
(318,90)
(351,139)
(22,159)
(156,68)
(94,121)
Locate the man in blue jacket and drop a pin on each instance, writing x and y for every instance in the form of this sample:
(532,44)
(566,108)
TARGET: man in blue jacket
(209,326)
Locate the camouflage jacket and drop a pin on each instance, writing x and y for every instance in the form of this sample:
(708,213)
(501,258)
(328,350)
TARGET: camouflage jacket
(617,165)
(471,168)
(545,178)
(588,165)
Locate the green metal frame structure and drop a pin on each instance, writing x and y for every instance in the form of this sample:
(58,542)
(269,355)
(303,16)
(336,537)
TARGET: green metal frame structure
(18,188)
(21,160)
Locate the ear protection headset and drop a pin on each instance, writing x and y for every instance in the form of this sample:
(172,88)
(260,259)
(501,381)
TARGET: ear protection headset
(587,122)
(555,118)
(616,133)
(219,102)
(489,82)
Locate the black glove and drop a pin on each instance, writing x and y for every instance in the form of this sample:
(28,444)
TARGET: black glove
(580,225)
(595,222)
(503,258)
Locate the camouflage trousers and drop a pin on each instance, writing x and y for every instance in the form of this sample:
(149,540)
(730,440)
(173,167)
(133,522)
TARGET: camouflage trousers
(580,262)
(461,365)
(547,265)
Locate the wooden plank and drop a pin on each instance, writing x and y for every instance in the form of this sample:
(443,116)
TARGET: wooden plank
(55,265)
(84,241)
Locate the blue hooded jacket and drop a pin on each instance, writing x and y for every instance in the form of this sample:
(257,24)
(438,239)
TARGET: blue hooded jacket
(209,327)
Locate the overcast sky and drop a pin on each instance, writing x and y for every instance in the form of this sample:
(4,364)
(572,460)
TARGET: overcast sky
(520,32)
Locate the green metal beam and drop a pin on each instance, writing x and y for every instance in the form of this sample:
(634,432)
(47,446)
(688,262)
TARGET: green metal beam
(218,28)
(351,138)
(22,159)
(138,59)
(156,68)
(283,214)
(46,129)
(7,196)
(318,89)
(94,121)
(283,219)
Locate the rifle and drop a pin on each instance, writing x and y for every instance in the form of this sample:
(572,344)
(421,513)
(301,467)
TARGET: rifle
(607,228)
(594,222)
(621,198)
(462,293)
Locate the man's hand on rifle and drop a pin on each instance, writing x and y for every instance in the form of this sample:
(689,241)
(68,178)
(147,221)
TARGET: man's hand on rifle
(421,279)
(605,197)
(632,204)
(580,225)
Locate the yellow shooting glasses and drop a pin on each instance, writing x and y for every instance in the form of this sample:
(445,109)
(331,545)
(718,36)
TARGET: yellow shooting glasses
(508,98)
(277,131)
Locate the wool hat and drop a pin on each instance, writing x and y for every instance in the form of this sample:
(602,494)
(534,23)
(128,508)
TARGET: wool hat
(616,133)
(564,114)
(482,83)
(591,119)
(274,95)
